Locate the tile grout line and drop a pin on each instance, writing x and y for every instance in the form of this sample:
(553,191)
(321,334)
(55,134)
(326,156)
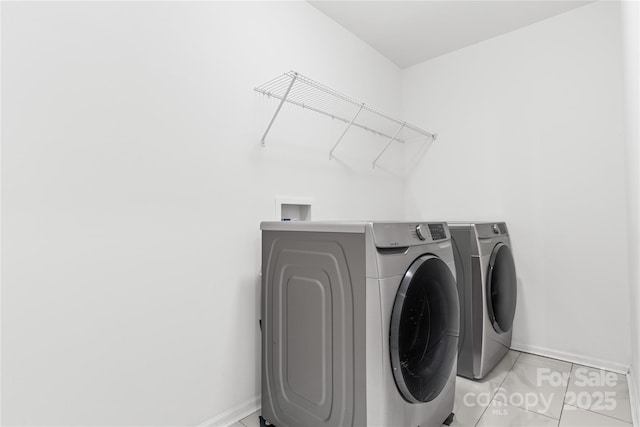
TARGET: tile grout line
(600,413)
(564,396)
(589,409)
(517,407)
(245,425)
(524,409)
(498,388)
(505,378)
(538,413)
(557,360)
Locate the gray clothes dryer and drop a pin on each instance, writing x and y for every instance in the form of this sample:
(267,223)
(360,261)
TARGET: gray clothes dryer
(359,324)
(487,290)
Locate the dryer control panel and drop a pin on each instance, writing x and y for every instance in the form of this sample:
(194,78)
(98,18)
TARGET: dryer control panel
(390,235)
(491,229)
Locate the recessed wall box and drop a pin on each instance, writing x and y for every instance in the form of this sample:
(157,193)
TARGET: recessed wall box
(293,209)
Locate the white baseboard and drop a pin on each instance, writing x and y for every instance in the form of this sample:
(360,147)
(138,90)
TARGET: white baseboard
(607,365)
(634,398)
(234,414)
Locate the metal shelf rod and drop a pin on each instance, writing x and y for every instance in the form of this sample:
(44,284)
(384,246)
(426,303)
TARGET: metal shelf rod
(284,98)
(388,144)
(342,119)
(345,131)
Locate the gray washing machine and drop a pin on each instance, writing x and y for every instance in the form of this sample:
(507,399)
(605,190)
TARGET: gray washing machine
(487,290)
(359,324)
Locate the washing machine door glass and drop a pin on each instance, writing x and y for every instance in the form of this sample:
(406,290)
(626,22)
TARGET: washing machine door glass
(424,330)
(501,288)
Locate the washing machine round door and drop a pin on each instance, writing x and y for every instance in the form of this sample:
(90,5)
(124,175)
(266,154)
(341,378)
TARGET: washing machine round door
(501,288)
(424,329)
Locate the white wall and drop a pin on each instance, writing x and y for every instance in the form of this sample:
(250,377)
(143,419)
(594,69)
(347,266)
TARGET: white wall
(531,131)
(631,43)
(133,184)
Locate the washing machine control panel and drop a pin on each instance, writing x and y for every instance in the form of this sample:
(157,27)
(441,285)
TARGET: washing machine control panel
(429,232)
(390,235)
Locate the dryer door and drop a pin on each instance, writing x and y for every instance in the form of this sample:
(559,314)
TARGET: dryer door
(424,329)
(501,288)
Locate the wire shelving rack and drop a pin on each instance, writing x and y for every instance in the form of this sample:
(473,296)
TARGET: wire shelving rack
(297,89)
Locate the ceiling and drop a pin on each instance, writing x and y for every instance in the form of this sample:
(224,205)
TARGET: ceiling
(409,32)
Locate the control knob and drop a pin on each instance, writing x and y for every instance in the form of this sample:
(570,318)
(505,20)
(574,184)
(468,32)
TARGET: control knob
(495,228)
(421,232)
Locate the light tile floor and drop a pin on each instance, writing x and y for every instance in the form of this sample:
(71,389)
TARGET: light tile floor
(524,390)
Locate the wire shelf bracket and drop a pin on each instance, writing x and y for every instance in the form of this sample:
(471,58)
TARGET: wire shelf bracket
(273,119)
(297,89)
(345,131)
